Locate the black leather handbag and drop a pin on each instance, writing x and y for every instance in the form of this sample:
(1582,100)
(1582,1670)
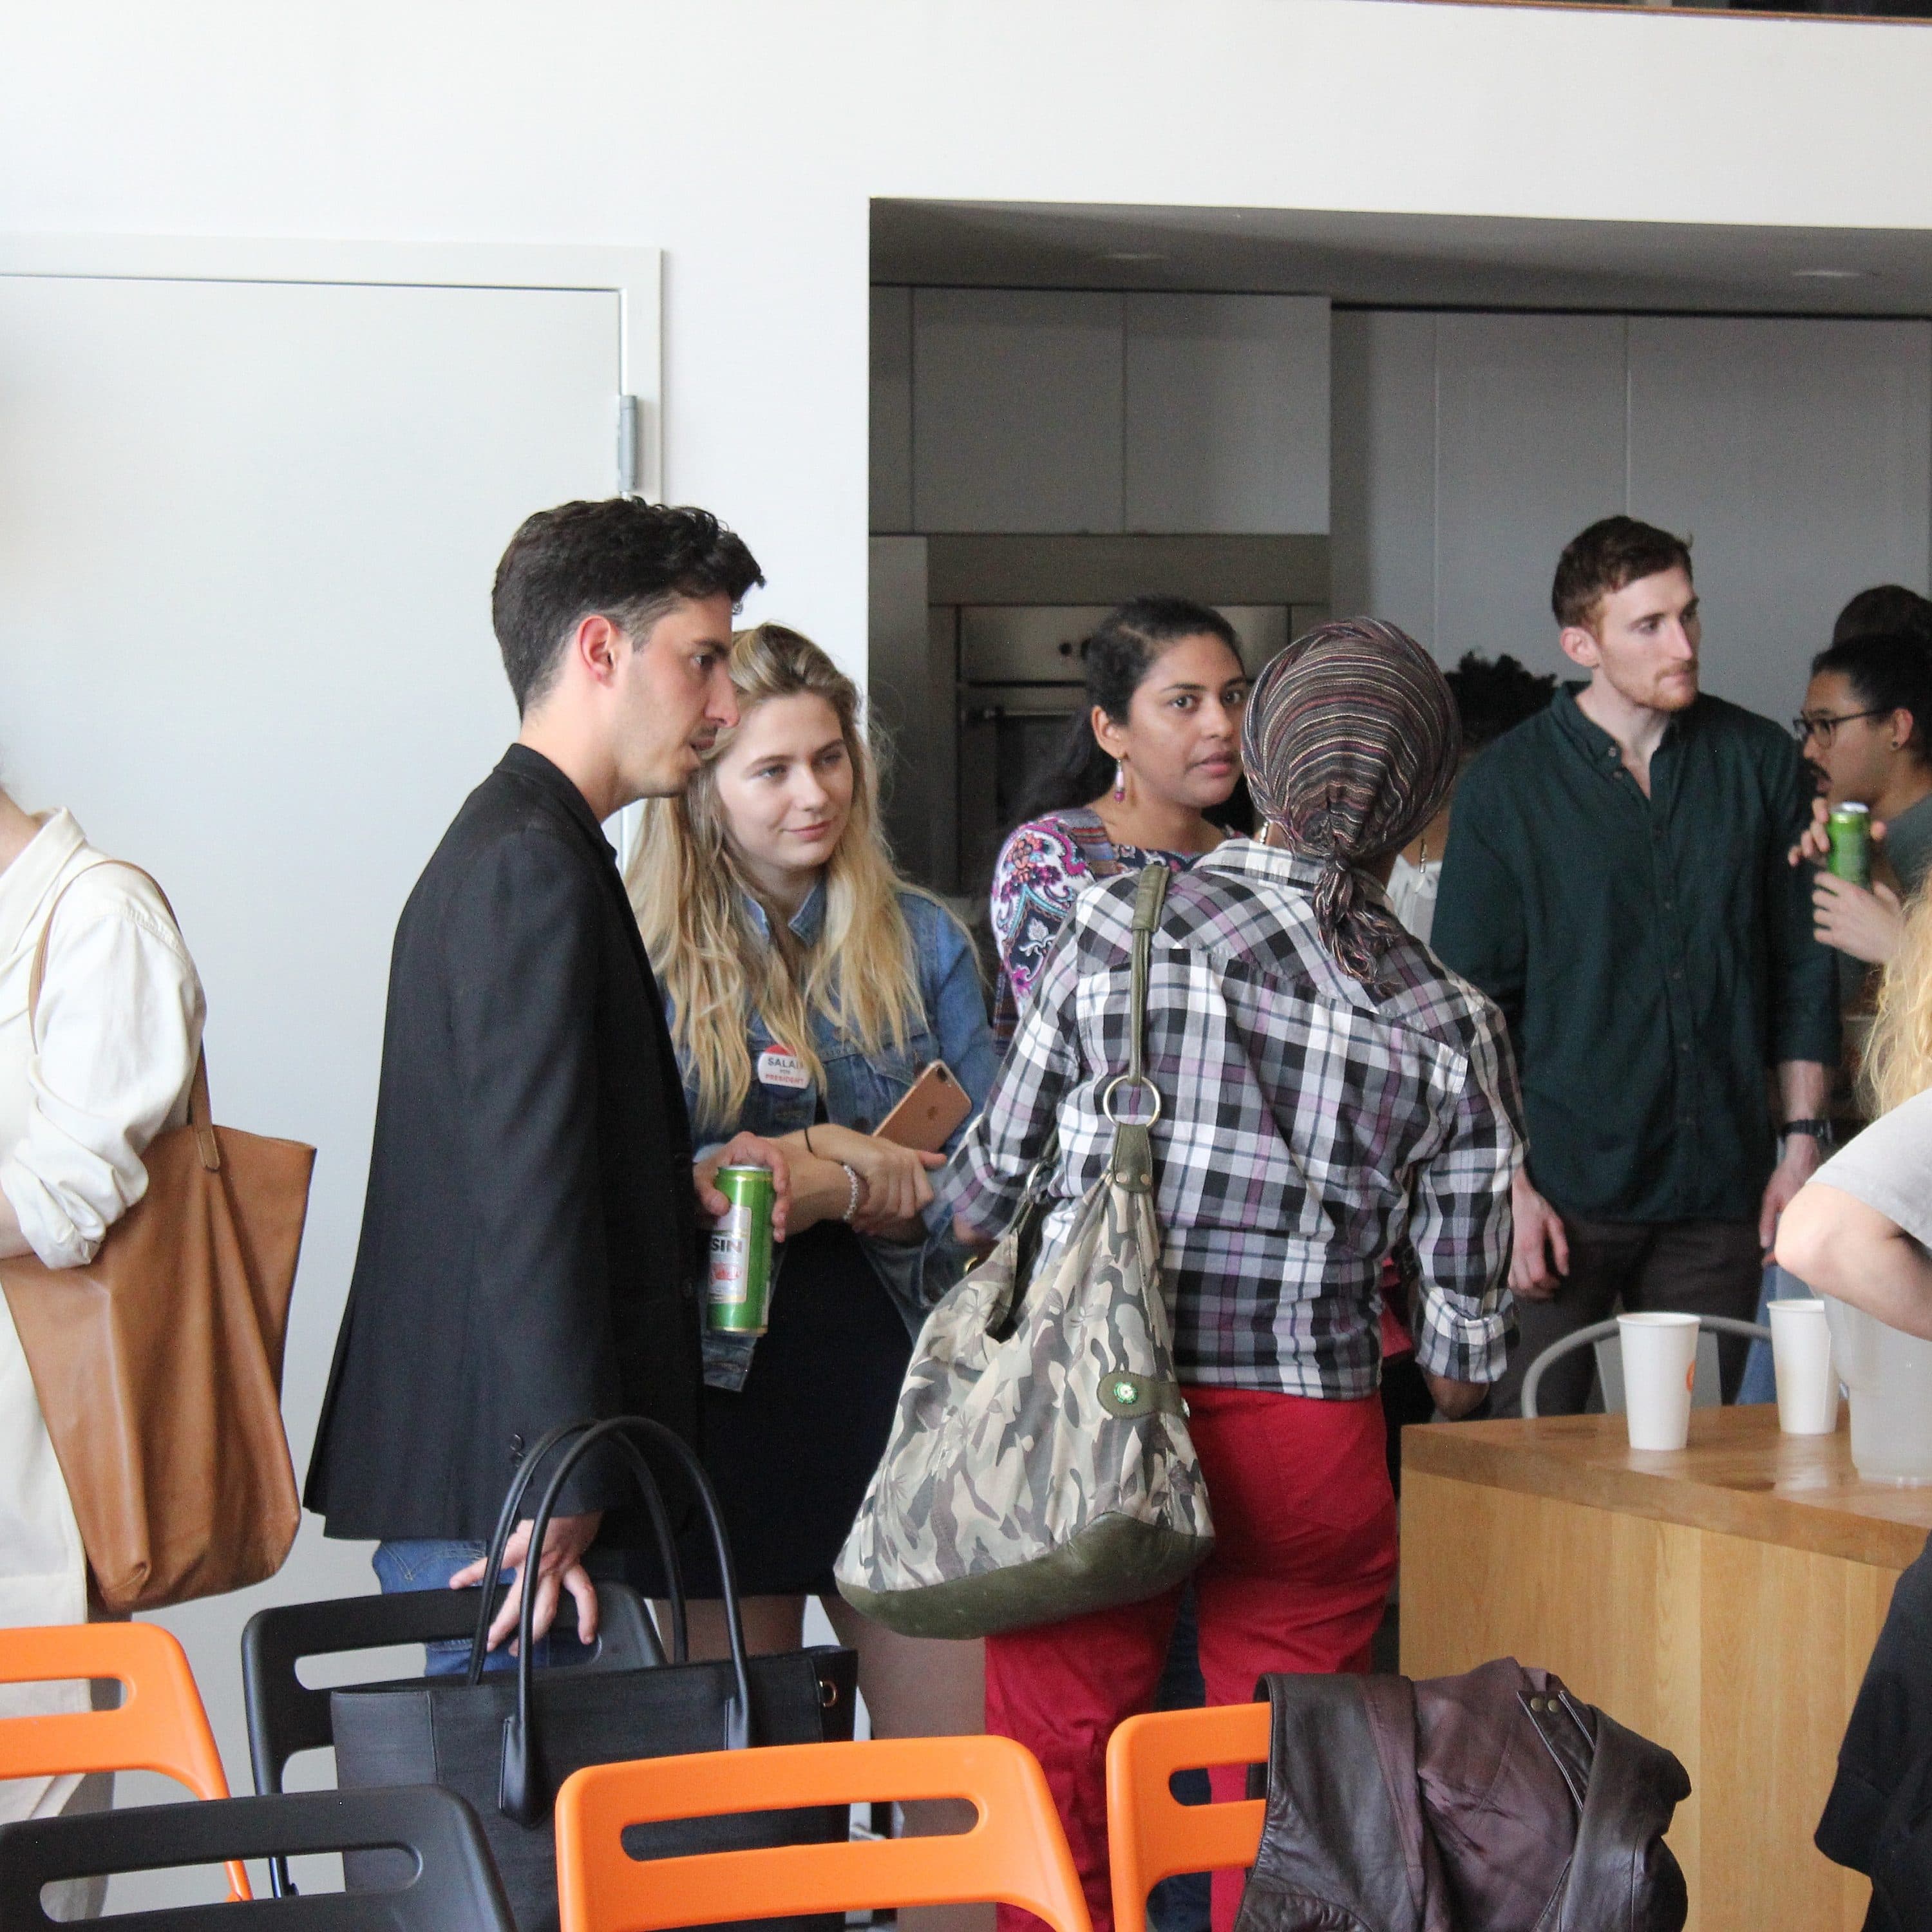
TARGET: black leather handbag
(507,1743)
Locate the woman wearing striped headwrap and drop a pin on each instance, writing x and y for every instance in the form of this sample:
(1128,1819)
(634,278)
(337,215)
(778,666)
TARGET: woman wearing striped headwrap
(1329,1094)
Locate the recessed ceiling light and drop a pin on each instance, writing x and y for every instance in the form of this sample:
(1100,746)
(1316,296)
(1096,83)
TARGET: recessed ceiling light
(1131,255)
(1831,274)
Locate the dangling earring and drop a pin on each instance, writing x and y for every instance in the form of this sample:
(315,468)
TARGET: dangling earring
(1119,780)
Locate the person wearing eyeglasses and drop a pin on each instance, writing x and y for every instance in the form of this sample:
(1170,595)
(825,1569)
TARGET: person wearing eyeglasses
(1615,881)
(1864,728)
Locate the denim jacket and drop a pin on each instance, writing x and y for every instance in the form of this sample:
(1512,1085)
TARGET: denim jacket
(860,1091)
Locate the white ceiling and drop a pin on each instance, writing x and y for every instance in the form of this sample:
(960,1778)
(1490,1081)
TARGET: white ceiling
(1432,261)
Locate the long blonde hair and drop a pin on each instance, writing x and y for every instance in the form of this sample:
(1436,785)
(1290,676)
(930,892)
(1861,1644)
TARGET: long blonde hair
(691,893)
(1898,1057)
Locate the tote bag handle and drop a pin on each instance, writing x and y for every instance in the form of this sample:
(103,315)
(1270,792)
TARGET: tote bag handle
(661,1531)
(518,1794)
(200,1116)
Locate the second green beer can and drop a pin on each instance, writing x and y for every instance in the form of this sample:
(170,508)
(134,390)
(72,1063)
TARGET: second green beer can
(738,1284)
(1848,828)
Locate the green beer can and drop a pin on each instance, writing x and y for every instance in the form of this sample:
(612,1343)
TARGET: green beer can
(1848,828)
(738,1285)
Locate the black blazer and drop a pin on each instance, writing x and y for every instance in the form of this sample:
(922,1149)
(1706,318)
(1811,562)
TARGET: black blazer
(529,1250)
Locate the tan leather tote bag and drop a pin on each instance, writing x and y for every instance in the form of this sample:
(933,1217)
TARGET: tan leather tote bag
(159,1365)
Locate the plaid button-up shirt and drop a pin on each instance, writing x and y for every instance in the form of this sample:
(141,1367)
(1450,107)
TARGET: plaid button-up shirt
(1309,1126)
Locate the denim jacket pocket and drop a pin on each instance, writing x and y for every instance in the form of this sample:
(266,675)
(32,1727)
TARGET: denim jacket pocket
(862,1090)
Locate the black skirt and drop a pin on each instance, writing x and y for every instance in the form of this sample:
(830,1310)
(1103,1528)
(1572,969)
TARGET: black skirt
(791,1453)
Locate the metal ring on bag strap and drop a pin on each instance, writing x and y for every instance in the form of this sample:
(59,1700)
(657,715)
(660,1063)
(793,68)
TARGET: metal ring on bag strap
(1130,1080)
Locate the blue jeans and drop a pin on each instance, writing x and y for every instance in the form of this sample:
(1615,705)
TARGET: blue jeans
(1180,1904)
(1759,1384)
(428,1563)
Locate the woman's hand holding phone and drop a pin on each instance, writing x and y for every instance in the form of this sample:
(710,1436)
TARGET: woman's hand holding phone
(897,1189)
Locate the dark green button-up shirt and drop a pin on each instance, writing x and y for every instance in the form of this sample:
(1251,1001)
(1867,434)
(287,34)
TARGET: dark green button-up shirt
(1652,956)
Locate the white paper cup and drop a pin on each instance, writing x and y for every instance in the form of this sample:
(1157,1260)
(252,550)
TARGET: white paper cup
(1660,1364)
(1807,1378)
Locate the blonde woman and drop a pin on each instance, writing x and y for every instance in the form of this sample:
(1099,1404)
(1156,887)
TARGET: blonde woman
(1861,1228)
(807,985)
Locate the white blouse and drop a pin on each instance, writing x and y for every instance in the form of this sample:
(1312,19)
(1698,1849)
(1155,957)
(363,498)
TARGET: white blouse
(118,1030)
(1411,894)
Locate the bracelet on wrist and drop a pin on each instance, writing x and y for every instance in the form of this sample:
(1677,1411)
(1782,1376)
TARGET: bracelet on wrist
(852,1199)
(1818,1130)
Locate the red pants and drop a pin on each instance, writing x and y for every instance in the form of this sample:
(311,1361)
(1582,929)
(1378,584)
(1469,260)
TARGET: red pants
(1305,1546)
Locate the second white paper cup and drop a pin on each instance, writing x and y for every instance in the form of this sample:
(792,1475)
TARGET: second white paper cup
(1807,1378)
(1660,1364)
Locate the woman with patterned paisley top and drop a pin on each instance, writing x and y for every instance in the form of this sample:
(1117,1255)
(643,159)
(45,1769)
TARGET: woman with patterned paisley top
(1149,771)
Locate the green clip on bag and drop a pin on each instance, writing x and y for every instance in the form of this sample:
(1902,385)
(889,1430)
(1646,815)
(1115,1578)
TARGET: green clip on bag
(1040,1466)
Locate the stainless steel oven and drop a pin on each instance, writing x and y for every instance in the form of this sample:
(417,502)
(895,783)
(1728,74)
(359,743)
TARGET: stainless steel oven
(973,647)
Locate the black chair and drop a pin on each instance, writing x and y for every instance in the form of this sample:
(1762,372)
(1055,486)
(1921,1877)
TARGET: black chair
(454,1888)
(286,1716)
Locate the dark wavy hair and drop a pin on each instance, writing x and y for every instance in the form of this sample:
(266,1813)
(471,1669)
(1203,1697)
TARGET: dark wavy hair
(616,557)
(1125,647)
(1598,563)
(1885,611)
(1887,674)
(1494,695)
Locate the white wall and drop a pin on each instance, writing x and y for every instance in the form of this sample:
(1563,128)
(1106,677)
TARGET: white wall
(746,137)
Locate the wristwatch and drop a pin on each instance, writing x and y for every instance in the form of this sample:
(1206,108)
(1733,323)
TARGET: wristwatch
(1820,1131)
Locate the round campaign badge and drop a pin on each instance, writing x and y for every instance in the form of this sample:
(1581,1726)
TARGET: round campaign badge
(779,1066)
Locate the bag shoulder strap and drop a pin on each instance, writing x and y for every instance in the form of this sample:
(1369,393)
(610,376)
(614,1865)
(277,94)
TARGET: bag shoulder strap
(1132,1165)
(200,1113)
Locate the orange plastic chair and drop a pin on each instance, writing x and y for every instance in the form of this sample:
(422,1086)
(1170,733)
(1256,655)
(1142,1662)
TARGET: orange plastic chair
(1015,1853)
(1150,1835)
(161,1725)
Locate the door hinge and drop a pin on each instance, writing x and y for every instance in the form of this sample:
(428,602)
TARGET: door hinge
(627,446)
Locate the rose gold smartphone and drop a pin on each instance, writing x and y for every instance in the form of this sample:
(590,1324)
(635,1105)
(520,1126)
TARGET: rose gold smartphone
(934,1106)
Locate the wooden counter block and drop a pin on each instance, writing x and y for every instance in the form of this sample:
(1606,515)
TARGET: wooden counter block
(1724,1601)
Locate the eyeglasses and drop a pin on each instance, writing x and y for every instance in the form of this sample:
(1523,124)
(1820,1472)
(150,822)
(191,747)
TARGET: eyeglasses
(1821,725)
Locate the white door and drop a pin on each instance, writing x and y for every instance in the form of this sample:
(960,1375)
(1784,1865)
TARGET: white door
(247,534)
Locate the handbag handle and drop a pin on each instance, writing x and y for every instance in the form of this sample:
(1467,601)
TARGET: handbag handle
(1131,1164)
(200,1115)
(660,1532)
(519,1796)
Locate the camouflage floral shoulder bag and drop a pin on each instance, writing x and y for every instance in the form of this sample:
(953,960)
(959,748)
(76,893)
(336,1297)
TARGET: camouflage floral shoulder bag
(1039,1465)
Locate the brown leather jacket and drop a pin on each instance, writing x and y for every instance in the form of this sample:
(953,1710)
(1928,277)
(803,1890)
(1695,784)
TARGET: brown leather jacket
(1491,1802)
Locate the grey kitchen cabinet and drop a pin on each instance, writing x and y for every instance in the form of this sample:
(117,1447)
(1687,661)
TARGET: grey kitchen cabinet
(1382,492)
(891,409)
(1797,454)
(1016,410)
(1029,411)
(1529,451)
(1227,414)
